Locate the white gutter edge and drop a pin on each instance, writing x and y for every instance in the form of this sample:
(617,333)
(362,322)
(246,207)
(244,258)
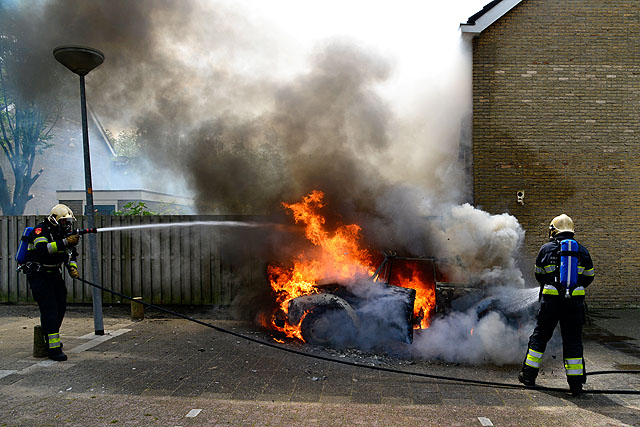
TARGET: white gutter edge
(485,21)
(98,124)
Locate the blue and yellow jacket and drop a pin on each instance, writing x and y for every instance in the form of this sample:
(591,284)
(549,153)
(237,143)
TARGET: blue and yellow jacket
(48,247)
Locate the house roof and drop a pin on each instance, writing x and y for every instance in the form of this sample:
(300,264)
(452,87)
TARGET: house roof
(100,129)
(489,14)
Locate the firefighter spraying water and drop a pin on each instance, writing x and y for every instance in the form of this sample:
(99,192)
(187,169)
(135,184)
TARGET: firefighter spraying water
(43,251)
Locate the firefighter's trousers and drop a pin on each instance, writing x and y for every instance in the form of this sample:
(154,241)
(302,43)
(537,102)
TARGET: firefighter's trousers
(50,293)
(570,312)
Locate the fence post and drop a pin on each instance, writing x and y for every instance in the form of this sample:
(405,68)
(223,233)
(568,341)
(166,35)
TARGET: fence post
(137,309)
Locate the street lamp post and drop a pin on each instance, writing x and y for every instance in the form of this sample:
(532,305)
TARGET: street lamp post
(81,60)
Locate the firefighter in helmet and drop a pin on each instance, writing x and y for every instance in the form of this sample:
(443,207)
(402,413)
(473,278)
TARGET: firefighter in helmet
(52,246)
(562,300)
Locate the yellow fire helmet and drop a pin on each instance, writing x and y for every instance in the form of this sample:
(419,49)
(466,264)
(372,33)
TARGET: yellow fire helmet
(60,212)
(561,223)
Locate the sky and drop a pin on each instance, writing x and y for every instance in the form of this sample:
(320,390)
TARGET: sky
(367,19)
(420,38)
(398,27)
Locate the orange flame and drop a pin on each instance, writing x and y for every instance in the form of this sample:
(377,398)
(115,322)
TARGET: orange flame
(335,255)
(425,295)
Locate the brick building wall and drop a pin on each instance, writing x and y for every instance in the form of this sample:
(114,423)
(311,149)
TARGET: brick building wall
(556,114)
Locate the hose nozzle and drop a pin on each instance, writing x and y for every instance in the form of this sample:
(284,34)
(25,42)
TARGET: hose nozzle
(82,231)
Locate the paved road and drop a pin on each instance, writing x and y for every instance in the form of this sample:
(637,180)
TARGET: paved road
(171,372)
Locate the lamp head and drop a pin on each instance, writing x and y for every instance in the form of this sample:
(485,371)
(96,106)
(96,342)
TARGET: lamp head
(79,59)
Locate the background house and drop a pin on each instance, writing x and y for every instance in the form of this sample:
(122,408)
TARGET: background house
(115,179)
(556,116)
(105,202)
(63,162)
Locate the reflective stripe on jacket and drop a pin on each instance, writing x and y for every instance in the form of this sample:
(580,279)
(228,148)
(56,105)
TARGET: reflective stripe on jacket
(48,247)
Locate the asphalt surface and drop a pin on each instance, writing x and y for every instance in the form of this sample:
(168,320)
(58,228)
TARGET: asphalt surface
(167,371)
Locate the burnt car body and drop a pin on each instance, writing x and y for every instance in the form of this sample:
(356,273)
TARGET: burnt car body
(379,310)
(515,305)
(339,315)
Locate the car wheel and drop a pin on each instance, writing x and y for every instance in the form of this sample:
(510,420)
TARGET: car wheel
(328,326)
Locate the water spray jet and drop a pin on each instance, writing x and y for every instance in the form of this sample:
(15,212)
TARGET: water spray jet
(82,231)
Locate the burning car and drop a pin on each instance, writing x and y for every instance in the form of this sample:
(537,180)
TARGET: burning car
(376,309)
(380,311)
(332,293)
(339,315)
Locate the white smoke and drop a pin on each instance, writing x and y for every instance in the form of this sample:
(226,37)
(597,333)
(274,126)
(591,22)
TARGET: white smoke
(495,333)
(487,245)
(462,338)
(482,249)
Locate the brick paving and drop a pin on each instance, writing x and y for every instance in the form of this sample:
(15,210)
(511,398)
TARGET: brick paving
(155,371)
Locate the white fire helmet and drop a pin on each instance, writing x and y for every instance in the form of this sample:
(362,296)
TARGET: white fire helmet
(560,224)
(59,213)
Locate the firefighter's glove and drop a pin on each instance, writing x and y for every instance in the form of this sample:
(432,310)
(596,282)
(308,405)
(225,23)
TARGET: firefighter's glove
(73,272)
(72,240)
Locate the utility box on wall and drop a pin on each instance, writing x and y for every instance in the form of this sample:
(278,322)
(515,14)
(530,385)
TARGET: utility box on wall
(556,116)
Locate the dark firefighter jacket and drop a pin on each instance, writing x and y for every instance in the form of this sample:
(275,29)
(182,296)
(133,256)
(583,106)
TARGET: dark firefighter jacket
(48,248)
(548,267)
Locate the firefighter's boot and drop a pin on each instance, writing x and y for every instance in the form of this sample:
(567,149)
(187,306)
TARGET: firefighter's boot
(57,354)
(575,374)
(530,367)
(575,387)
(55,348)
(528,375)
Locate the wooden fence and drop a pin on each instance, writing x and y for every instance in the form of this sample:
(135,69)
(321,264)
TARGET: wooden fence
(164,265)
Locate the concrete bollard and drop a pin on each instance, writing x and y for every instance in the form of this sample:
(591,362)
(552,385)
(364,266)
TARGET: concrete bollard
(39,344)
(137,309)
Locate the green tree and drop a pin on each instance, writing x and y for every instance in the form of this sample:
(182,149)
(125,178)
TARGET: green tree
(29,107)
(134,208)
(25,132)
(126,144)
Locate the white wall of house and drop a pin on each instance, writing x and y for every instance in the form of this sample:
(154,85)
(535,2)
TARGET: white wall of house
(63,164)
(155,201)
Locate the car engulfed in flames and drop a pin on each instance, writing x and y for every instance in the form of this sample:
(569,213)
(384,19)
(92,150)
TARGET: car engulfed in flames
(340,316)
(377,310)
(333,294)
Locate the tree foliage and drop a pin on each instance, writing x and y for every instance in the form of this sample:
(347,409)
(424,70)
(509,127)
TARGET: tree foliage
(126,144)
(140,208)
(134,208)
(25,130)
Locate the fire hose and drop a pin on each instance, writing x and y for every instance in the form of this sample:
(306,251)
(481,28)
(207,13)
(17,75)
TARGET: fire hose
(373,367)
